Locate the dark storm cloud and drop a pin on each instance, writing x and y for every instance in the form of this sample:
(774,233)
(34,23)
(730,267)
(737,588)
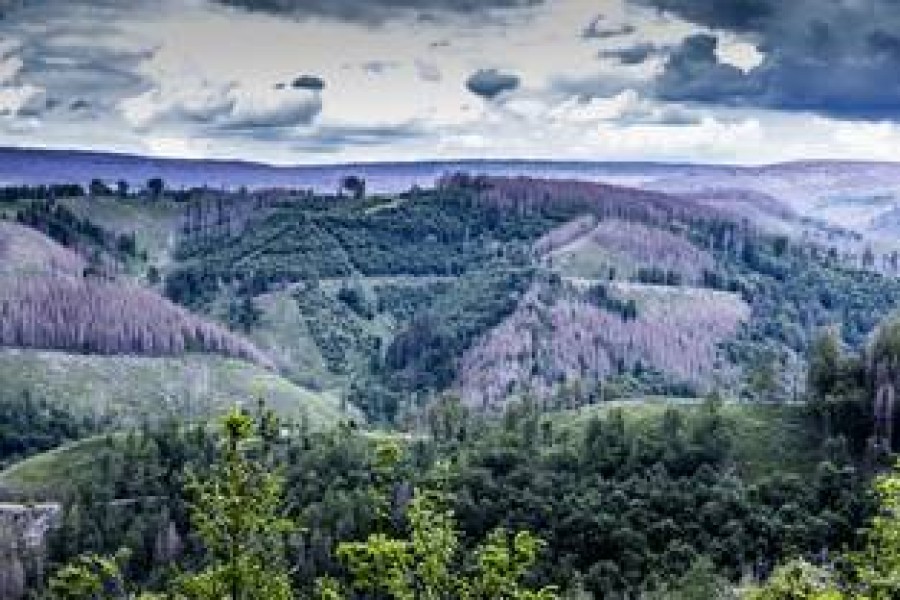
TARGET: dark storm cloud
(309,82)
(632,55)
(826,56)
(735,15)
(693,72)
(376,11)
(490,83)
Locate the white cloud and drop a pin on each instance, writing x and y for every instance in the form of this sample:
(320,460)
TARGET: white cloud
(205,84)
(741,54)
(16,100)
(627,108)
(222,106)
(183,94)
(10,66)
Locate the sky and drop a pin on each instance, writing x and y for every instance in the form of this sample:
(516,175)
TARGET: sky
(327,81)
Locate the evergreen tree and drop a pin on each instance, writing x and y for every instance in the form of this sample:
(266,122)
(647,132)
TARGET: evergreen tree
(236,513)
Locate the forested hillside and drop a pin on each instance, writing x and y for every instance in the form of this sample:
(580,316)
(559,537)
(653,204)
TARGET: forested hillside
(633,377)
(500,287)
(495,288)
(77,277)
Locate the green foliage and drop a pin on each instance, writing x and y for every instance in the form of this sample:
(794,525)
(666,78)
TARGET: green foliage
(385,343)
(424,233)
(798,580)
(426,564)
(401,567)
(701,581)
(825,358)
(68,229)
(403,302)
(630,505)
(794,296)
(627,501)
(90,577)
(874,570)
(30,425)
(838,387)
(877,565)
(424,352)
(503,562)
(886,347)
(236,513)
(341,335)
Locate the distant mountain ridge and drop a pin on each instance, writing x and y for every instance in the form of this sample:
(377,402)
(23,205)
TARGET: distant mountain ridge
(44,166)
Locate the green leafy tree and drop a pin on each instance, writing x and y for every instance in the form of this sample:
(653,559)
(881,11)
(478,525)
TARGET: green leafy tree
(877,566)
(824,363)
(700,581)
(875,570)
(797,580)
(427,564)
(90,577)
(504,561)
(236,513)
(763,378)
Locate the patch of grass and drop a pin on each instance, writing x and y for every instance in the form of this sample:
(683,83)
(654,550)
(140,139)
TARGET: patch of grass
(282,333)
(132,389)
(583,258)
(34,477)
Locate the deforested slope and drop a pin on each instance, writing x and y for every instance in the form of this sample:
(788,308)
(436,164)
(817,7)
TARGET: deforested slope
(628,249)
(94,316)
(568,337)
(26,251)
(604,200)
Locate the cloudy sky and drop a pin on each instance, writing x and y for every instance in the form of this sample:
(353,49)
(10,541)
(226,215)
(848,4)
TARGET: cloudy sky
(312,81)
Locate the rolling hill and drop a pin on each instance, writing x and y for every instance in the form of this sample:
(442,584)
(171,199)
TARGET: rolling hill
(130,389)
(644,338)
(490,284)
(112,347)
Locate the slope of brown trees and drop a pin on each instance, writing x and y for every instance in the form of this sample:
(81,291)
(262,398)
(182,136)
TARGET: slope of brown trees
(600,199)
(24,250)
(101,317)
(676,331)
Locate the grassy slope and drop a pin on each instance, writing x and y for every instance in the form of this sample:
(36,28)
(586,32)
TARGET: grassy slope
(283,333)
(284,336)
(154,223)
(190,387)
(36,476)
